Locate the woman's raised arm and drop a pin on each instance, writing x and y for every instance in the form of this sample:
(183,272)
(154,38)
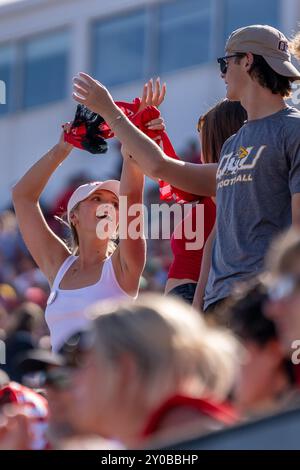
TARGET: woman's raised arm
(45,247)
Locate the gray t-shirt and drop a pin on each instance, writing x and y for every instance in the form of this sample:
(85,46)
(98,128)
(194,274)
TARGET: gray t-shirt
(258,172)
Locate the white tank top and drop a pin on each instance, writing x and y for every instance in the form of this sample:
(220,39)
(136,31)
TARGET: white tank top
(65,311)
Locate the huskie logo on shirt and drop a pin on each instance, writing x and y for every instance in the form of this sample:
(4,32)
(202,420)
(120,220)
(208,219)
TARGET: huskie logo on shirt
(234,165)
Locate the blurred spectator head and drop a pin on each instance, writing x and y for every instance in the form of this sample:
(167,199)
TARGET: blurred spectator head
(283,264)
(8,297)
(217,125)
(26,326)
(8,222)
(29,318)
(265,373)
(25,263)
(51,373)
(4,319)
(146,352)
(37,296)
(284,254)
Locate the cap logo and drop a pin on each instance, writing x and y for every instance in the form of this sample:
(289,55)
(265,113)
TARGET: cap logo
(283,46)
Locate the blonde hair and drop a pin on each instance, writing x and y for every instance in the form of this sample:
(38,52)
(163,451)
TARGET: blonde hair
(173,348)
(294,46)
(284,253)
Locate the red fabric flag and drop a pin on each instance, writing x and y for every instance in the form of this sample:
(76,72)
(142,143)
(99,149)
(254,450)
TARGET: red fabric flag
(140,119)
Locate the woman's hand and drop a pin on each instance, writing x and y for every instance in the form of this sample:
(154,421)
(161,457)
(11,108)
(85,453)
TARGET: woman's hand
(15,430)
(156,124)
(62,145)
(153,95)
(93,95)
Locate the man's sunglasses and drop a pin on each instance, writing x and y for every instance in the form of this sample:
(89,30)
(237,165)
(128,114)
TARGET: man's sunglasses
(74,351)
(76,346)
(58,378)
(283,287)
(222,61)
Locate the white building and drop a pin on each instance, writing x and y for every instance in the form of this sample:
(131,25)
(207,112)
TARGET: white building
(44,43)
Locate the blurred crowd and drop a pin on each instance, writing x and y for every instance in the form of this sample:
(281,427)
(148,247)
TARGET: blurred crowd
(163,364)
(133,368)
(24,290)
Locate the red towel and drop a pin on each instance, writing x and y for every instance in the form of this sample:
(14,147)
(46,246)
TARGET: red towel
(140,119)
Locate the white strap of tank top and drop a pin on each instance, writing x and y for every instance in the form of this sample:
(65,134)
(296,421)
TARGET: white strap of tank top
(62,270)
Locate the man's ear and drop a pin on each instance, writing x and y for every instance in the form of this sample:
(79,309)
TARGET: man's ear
(249,60)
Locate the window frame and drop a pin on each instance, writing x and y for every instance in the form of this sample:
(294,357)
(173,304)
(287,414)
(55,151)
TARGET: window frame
(110,17)
(18,69)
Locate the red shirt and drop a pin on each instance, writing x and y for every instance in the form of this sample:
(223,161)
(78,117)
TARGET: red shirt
(187,263)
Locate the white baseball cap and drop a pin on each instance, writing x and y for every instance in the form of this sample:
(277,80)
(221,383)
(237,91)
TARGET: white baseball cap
(85,190)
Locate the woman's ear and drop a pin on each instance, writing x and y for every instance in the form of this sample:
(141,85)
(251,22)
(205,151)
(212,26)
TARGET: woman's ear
(73,219)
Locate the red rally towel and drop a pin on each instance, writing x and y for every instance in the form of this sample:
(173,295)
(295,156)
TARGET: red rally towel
(139,119)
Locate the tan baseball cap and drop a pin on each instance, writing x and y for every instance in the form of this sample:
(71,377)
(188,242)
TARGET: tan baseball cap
(266,41)
(85,190)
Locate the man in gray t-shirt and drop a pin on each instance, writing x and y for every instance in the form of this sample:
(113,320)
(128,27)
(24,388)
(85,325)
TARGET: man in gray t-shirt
(258,177)
(259,171)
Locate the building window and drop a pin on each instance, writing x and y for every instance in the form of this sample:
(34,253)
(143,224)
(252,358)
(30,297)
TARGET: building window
(118,49)
(238,14)
(45,69)
(185,27)
(7,62)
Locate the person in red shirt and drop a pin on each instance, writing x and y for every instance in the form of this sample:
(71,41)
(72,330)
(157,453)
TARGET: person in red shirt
(214,127)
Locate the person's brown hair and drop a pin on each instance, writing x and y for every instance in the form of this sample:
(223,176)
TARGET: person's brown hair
(261,71)
(217,125)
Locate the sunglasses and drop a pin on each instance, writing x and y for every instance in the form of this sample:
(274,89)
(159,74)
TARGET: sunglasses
(222,61)
(58,378)
(75,348)
(283,287)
